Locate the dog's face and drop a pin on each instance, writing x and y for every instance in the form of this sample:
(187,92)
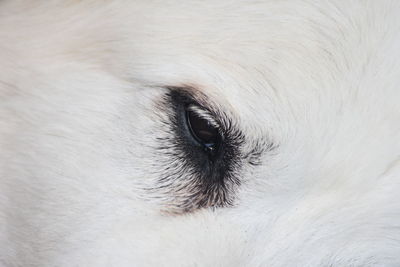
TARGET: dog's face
(199,134)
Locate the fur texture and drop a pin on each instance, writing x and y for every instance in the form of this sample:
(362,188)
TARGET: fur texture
(98,169)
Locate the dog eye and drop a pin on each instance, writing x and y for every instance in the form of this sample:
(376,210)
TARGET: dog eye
(203,128)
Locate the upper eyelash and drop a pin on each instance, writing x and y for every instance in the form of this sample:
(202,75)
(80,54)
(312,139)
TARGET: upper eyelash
(204,114)
(219,119)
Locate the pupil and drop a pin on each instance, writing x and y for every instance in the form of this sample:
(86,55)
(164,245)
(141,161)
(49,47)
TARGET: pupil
(202,130)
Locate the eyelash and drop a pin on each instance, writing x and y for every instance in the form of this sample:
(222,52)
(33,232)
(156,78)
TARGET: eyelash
(205,114)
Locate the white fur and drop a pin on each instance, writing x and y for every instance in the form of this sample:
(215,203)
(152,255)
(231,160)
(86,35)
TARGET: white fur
(79,83)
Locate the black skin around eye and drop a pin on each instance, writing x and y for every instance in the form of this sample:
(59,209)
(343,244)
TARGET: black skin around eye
(191,177)
(204,157)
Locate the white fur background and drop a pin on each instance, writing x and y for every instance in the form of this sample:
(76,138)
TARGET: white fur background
(79,83)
